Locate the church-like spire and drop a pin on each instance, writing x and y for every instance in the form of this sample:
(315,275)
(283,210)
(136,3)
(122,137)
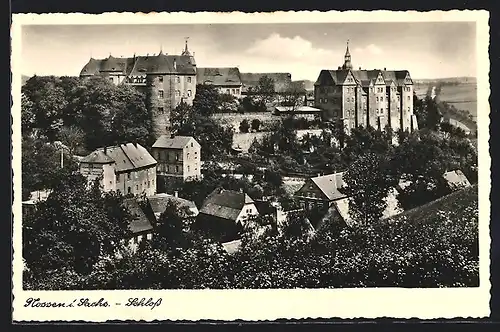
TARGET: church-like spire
(347,58)
(186,51)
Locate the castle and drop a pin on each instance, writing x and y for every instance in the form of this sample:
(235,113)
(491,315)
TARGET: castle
(167,80)
(378,98)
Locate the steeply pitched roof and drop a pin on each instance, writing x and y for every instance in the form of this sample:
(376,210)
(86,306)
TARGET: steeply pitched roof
(126,156)
(219,76)
(265,208)
(362,77)
(177,142)
(141,65)
(456,179)
(225,204)
(159,202)
(140,222)
(329,185)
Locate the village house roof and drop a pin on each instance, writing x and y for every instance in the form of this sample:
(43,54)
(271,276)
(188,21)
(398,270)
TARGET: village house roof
(225,204)
(219,76)
(169,142)
(127,157)
(456,178)
(160,201)
(362,77)
(141,65)
(140,222)
(265,208)
(329,185)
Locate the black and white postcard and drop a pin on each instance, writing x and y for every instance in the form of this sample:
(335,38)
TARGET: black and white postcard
(224,166)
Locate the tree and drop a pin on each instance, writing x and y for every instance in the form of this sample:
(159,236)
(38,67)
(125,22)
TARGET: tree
(255,124)
(367,184)
(428,112)
(244,126)
(73,228)
(265,90)
(207,100)
(180,116)
(172,226)
(228,102)
(73,137)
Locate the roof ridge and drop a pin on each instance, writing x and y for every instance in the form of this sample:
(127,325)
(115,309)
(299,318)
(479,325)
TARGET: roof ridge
(128,157)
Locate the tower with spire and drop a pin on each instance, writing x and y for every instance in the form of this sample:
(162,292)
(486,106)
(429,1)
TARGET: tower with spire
(347,58)
(186,52)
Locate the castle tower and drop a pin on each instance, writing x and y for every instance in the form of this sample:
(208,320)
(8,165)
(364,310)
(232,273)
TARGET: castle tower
(347,58)
(186,52)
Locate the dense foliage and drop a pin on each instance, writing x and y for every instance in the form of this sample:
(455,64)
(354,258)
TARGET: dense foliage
(432,246)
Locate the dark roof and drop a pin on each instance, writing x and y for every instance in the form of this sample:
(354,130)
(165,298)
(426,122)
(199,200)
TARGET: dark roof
(362,77)
(177,142)
(140,223)
(159,202)
(265,208)
(126,156)
(329,185)
(219,76)
(141,65)
(225,204)
(97,157)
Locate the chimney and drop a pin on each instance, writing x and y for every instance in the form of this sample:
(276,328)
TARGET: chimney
(105,149)
(172,135)
(385,69)
(359,68)
(340,67)
(175,64)
(176,194)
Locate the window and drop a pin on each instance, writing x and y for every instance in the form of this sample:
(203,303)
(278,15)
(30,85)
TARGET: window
(153,182)
(381,98)
(177,156)
(189,79)
(160,93)
(128,176)
(192,146)
(189,93)
(176,169)
(137,187)
(408,97)
(177,93)
(129,190)
(161,110)
(149,184)
(111,79)
(117,176)
(178,79)
(188,168)
(377,98)
(160,78)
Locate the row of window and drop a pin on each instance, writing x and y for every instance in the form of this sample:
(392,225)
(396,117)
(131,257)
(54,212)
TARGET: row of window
(233,91)
(178,78)
(171,168)
(136,176)
(161,93)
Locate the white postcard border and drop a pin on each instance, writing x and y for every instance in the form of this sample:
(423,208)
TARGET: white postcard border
(254,305)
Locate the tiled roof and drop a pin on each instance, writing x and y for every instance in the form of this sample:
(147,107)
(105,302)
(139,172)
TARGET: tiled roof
(231,246)
(140,222)
(225,204)
(265,208)
(159,202)
(141,65)
(219,76)
(330,184)
(456,179)
(363,77)
(97,157)
(126,156)
(177,142)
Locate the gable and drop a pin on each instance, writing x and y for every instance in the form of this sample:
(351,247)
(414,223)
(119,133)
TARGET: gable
(408,79)
(380,79)
(349,79)
(309,187)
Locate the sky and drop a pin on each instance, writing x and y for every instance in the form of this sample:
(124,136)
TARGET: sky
(426,49)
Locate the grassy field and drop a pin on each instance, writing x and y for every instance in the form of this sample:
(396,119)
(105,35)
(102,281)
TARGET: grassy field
(462,96)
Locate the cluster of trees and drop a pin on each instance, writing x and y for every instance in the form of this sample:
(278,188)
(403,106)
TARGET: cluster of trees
(433,247)
(84,114)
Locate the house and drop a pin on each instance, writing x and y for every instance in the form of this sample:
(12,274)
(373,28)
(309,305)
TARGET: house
(159,203)
(142,224)
(125,168)
(456,180)
(226,80)
(378,98)
(167,79)
(178,157)
(224,212)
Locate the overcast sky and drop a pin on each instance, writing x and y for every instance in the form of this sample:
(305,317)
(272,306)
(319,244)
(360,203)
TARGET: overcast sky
(428,50)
